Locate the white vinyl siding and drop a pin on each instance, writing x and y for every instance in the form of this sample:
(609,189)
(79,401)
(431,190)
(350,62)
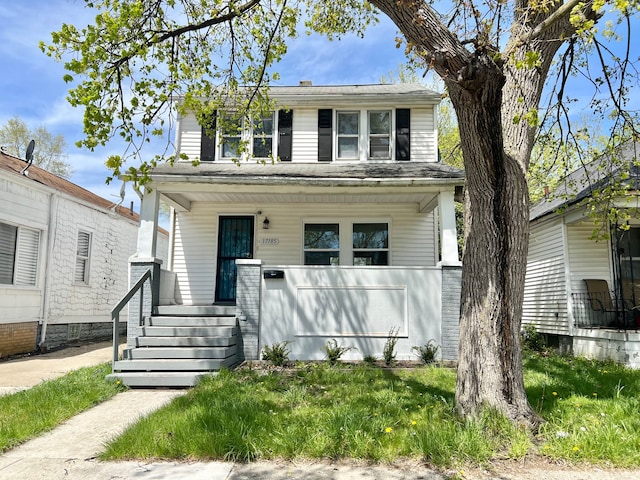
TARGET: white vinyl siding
(412,238)
(587,258)
(83,253)
(304,131)
(190,137)
(545,295)
(424,141)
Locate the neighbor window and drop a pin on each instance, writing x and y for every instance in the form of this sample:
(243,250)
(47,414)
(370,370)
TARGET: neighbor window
(348,132)
(379,134)
(322,244)
(19,248)
(370,244)
(83,250)
(263,137)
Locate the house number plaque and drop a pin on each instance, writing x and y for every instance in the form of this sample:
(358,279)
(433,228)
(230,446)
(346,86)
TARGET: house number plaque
(269,241)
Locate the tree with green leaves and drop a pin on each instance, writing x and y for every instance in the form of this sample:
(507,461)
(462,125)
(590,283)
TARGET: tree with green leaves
(49,152)
(128,68)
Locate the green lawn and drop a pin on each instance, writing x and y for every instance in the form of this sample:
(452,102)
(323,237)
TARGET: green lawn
(365,412)
(28,413)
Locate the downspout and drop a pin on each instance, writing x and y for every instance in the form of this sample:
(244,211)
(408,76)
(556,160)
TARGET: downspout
(53,221)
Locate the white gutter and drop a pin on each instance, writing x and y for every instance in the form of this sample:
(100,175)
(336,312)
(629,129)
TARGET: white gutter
(53,221)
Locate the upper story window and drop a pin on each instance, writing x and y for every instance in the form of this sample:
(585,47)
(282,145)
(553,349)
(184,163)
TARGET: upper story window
(379,134)
(19,248)
(230,137)
(348,135)
(262,138)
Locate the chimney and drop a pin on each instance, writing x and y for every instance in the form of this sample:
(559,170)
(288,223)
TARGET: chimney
(305,83)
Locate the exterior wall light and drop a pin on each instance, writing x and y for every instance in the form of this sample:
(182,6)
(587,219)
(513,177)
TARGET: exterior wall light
(265,224)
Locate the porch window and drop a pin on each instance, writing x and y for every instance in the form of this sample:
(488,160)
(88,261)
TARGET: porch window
(263,137)
(83,250)
(19,248)
(231,136)
(322,244)
(348,132)
(629,265)
(380,134)
(370,244)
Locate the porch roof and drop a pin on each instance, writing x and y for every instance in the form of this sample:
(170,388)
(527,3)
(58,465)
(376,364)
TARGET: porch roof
(330,173)
(420,183)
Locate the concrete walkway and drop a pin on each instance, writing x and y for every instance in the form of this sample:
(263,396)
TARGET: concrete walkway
(69,452)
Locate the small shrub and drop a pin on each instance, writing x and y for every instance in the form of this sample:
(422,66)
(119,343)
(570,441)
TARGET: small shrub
(334,351)
(427,352)
(532,339)
(277,354)
(369,359)
(389,351)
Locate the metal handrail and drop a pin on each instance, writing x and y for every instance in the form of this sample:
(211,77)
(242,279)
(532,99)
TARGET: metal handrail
(115,312)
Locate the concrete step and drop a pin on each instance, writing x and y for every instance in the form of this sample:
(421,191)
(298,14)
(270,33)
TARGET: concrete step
(178,352)
(173,365)
(212,341)
(220,321)
(196,310)
(159,379)
(188,331)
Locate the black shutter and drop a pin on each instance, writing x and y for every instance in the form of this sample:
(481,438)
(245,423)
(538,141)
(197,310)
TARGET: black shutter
(208,139)
(325,123)
(285,121)
(403,140)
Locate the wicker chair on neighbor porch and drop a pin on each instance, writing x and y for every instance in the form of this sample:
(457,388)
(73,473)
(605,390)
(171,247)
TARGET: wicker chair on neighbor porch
(605,313)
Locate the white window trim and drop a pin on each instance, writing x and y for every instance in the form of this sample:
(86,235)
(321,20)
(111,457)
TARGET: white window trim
(363,134)
(345,224)
(87,266)
(358,136)
(246,135)
(390,134)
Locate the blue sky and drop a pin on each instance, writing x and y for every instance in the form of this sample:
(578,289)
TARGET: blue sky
(32,88)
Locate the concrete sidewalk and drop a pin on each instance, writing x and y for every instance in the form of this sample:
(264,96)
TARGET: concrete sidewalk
(70,451)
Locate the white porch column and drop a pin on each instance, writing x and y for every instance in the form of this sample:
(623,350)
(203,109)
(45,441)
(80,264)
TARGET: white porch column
(148,229)
(448,237)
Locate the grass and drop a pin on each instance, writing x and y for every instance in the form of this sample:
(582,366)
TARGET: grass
(381,415)
(28,413)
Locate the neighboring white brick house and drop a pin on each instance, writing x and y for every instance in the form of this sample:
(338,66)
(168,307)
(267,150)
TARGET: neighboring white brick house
(63,259)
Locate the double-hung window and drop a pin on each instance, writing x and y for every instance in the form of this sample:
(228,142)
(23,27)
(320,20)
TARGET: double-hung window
(263,137)
(371,244)
(322,244)
(348,133)
(19,247)
(83,252)
(230,137)
(379,134)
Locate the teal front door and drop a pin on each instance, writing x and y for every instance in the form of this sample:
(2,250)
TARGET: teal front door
(235,240)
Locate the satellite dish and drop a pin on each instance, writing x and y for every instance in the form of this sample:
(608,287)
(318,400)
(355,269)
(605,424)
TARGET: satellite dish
(29,156)
(30,148)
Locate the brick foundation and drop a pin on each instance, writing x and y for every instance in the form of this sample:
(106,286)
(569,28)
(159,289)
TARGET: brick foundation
(16,338)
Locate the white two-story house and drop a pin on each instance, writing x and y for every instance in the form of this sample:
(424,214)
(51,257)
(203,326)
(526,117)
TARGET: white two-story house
(337,223)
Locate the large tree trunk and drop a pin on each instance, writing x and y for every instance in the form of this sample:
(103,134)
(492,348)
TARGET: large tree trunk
(494,262)
(489,93)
